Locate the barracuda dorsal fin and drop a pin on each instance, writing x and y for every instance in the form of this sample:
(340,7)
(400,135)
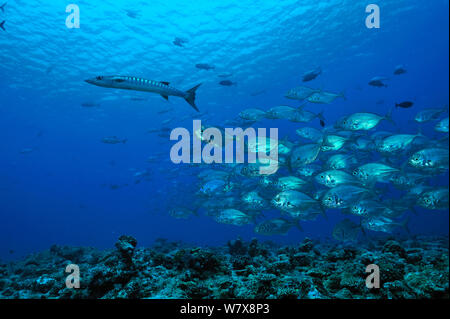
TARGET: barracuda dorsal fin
(165,96)
(165,83)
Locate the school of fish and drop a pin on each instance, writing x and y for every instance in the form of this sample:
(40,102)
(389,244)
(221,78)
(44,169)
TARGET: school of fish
(348,166)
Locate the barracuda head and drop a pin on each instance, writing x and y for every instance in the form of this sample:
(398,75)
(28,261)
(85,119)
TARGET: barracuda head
(105,81)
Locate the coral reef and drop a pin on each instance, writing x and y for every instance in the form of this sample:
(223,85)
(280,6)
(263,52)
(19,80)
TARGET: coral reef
(409,268)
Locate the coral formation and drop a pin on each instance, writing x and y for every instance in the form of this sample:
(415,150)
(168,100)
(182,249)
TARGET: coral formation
(410,268)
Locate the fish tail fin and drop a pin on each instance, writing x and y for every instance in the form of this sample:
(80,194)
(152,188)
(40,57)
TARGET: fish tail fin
(298,226)
(388,117)
(342,95)
(321,118)
(289,165)
(302,105)
(419,132)
(325,141)
(405,225)
(2,25)
(361,227)
(190,96)
(446,109)
(323,212)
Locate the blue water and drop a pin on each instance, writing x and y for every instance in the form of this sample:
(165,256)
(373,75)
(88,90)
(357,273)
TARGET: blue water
(59,193)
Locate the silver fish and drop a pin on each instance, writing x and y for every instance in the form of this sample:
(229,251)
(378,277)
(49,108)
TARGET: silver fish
(430,158)
(140,84)
(434,199)
(430,114)
(343,196)
(346,230)
(276,226)
(300,93)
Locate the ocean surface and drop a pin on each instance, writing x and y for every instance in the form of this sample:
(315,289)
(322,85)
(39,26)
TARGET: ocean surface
(60,183)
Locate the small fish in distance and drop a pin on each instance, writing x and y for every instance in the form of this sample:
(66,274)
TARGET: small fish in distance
(179,42)
(90,104)
(113,140)
(132,14)
(204,66)
(227,83)
(378,81)
(225,75)
(399,69)
(311,75)
(405,105)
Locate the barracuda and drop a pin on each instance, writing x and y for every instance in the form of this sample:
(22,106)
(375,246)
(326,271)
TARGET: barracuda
(140,84)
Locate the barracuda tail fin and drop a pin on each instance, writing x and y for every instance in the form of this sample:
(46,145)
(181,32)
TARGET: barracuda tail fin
(2,25)
(190,96)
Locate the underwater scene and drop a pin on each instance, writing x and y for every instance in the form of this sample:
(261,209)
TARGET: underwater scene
(294,149)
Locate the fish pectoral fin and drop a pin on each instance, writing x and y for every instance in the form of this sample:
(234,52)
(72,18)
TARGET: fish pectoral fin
(165,83)
(165,96)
